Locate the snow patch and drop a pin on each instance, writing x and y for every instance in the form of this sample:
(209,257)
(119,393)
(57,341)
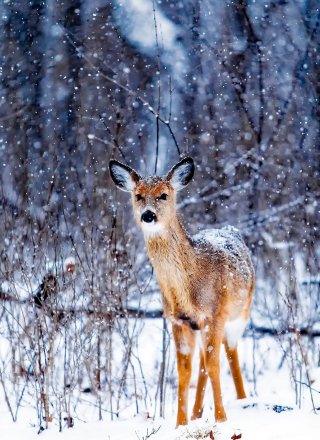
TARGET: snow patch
(137,22)
(229,241)
(233,330)
(184,348)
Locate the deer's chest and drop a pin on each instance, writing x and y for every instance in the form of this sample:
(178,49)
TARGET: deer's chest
(175,280)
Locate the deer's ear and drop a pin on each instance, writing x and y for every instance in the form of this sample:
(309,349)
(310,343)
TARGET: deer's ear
(181,174)
(123,176)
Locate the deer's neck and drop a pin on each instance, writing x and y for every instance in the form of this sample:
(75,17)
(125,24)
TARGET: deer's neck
(174,261)
(172,245)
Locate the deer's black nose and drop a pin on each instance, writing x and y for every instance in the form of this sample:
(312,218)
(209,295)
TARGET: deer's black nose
(148,217)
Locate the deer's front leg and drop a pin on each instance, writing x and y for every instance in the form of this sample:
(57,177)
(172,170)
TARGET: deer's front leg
(201,388)
(184,338)
(212,336)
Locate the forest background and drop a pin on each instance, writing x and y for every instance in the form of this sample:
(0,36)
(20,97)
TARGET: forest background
(235,85)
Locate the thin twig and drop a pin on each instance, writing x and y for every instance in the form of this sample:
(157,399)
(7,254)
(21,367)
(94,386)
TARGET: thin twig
(121,86)
(159,85)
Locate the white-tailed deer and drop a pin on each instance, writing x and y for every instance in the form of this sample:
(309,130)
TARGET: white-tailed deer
(206,281)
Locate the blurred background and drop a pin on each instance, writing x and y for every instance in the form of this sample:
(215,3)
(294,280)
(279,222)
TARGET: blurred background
(234,84)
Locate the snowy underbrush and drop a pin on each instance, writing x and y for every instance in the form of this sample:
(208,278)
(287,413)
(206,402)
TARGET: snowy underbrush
(120,394)
(251,419)
(76,365)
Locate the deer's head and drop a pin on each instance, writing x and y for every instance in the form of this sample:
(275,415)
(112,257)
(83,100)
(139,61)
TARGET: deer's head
(153,197)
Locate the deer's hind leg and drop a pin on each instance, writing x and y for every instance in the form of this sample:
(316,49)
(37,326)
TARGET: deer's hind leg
(184,338)
(212,340)
(232,355)
(201,387)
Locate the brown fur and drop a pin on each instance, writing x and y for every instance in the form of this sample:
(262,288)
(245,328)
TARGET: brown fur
(203,286)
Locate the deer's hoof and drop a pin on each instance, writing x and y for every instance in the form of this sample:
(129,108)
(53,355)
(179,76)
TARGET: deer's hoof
(196,414)
(181,422)
(220,416)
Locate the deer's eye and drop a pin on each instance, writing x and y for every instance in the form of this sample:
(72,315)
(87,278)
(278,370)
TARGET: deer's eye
(139,197)
(163,196)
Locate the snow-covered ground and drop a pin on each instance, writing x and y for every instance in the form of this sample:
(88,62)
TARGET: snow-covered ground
(257,421)
(270,413)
